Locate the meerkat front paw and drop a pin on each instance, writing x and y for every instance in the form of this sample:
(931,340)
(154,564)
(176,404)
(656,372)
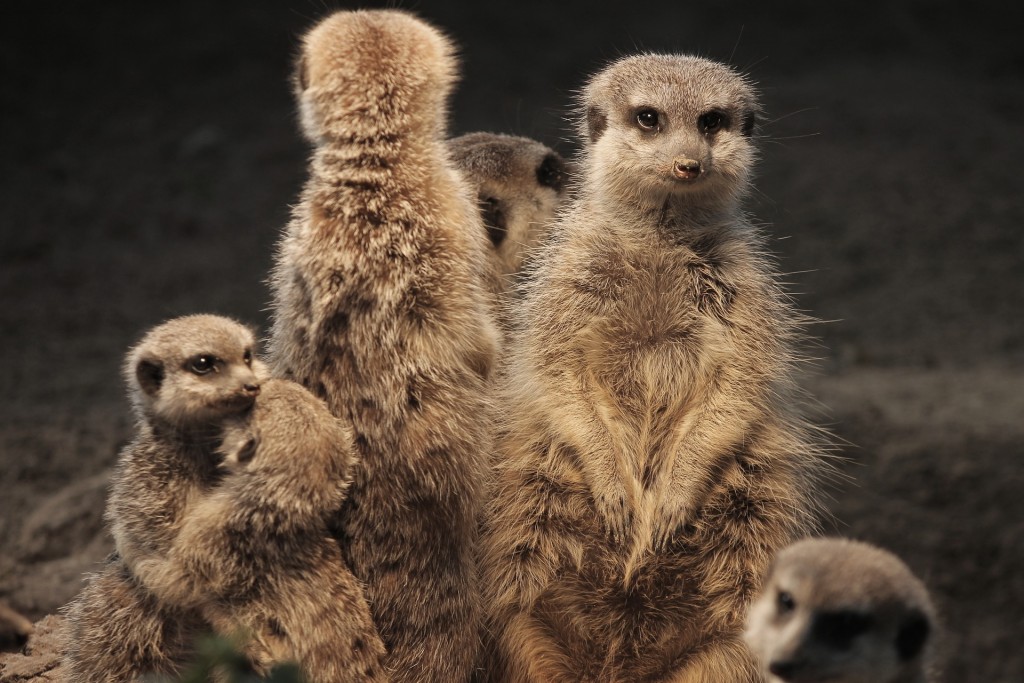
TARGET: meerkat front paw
(669,521)
(613,507)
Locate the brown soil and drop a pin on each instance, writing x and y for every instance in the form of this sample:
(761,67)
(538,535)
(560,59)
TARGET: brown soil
(150,154)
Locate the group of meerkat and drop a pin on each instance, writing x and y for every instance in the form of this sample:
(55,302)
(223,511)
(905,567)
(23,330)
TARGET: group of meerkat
(587,481)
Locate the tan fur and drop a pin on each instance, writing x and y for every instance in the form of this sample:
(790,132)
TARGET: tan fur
(14,628)
(171,462)
(652,462)
(520,185)
(845,612)
(254,555)
(379,309)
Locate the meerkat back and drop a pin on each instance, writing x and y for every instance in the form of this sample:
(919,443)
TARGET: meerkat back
(380,310)
(839,610)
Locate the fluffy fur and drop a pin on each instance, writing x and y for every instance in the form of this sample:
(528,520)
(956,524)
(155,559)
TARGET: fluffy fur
(842,611)
(379,309)
(254,555)
(652,462)
(186,377)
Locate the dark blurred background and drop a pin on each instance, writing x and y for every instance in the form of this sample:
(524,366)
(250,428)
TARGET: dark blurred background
(149,153)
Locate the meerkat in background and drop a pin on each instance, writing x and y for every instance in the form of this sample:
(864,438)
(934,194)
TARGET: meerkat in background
(520,183)
(652,459)
(380,310)
(842,611)
(186,377)
(254,555)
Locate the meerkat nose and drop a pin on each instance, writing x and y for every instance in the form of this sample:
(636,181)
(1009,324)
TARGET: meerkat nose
(252,388)
(686,169)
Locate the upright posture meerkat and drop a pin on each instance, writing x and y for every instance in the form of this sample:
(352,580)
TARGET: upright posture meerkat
(520,183)
(841,611)
(254,555)
(185,378)
(652,461)
(380,310)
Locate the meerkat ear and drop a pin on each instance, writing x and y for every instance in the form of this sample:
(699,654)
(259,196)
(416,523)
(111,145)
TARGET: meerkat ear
(551,173)
(597,121)
(150,375)
(913,634)
(494,220)
(300,79)
(749,121)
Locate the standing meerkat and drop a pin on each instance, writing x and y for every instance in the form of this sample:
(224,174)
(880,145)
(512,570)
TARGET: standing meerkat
(185,378)
(842,611)
(651,461)
(254,555)
(520,184)
(380,310)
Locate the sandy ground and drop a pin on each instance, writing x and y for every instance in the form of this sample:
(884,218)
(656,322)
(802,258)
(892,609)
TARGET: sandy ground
(150,154)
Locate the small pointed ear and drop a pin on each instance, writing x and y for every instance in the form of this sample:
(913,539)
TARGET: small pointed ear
(747,126)
(300,78)
(150,375)
(597,121)
(912,635)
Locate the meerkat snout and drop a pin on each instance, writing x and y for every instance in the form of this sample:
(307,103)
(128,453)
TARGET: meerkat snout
(686,169)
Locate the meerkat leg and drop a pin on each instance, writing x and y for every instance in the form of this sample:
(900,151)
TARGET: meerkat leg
(118,631)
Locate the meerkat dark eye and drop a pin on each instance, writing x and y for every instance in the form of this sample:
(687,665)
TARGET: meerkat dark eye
(711,122)
(785,602)
(647,119)
(201,365)
(247,357)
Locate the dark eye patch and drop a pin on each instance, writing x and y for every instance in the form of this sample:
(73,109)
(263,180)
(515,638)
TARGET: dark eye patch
(838,629)
(493,214)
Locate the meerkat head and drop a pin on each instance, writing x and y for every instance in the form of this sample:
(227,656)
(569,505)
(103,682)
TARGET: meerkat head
(373,73)
(659,127)
(841,611)
(520,185)
(194,371)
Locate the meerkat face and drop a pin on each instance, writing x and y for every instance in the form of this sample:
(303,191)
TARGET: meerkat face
(820,618)
(195,370)
(663,126)
(372,70)
(520,183)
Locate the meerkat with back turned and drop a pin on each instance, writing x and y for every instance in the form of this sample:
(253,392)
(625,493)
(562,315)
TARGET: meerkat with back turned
(254,554)
(380,309)
(652,458)
(843,611)
(186,377)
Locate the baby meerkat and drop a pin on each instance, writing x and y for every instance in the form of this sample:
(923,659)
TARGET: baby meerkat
(839,610)
(520,183)
(254,554)
(652,458)
(186,377)
(379,308)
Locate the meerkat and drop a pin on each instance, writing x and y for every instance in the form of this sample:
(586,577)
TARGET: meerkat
(185,378)
(652,455)
(521,183)
(14,628)
(254,555)
(379,309)
(839,610)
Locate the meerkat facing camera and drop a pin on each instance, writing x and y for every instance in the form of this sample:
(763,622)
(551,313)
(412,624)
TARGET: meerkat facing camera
(652,457)
(185,378)
(839,610)
(380,309)
(254,554)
